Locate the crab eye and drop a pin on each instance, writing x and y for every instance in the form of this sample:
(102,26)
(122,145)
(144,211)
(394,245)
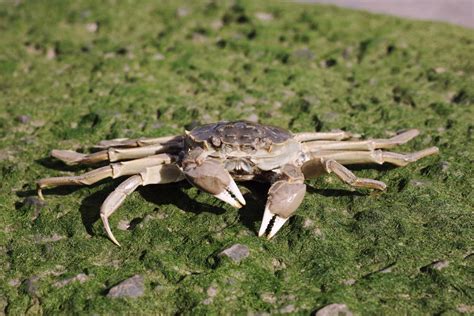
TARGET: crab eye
(215,141)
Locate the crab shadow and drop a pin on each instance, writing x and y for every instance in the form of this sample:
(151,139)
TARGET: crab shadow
(158,194)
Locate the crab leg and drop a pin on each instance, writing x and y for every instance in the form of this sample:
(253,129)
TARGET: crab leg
(139,142)
(284,197)
(370,144)
(348,177)
(114,170)
(70,157)
(335,135)
(376,156)
(151,175)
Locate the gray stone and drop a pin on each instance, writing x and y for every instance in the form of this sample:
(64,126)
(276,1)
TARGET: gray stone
(236,252)
(264,16)
(465,309)
(212,291)
(81,278)
(131,287)
(334,310)
(418,183)
(31,285)
(253,118)
(303,54)
(23,119)
(440,265)
(349,281)
(268,298)
(14,282)
(288,309)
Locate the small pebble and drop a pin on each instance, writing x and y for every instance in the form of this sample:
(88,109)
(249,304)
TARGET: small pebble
(31,285)
(268,298)
(123,225)
(236,252)
(81,278)
(418,183)
(182,12)
(349,281)
(288,309)
(131,287)
(264,16)
(23,119)
(253,118)
(465,309)
(158,57)
(14,282)
(51,53)
(212,291)
(440,265)
(303,54)
(92,27)
(334,310)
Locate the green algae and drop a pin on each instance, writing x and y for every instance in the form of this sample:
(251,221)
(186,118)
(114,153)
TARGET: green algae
(79,72)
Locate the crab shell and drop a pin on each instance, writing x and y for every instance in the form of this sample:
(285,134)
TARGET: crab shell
(246,148)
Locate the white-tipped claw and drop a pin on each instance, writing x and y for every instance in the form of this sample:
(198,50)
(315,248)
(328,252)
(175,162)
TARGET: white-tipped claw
(267,218)
(226,197)
(234,189)
(277,224)
(108,230)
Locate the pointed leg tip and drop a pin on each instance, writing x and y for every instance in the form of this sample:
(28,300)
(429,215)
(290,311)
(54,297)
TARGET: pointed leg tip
(105,221)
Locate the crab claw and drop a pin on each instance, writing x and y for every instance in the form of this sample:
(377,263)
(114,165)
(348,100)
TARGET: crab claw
(283,200)
(211,176)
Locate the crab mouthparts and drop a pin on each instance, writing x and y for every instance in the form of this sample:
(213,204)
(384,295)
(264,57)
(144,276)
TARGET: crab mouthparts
(271,223)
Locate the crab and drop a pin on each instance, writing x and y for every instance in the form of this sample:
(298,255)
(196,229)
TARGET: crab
(213,156)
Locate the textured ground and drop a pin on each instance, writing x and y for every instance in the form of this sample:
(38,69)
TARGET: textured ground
(76,72)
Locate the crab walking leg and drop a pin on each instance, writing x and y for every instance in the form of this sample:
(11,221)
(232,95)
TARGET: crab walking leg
(348,177)
(369,144)
(87,178)
(70,157)
(151,175)
(139,142)
(376,156)
(335,135)
(114,170)
(284,197)
(210,176)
